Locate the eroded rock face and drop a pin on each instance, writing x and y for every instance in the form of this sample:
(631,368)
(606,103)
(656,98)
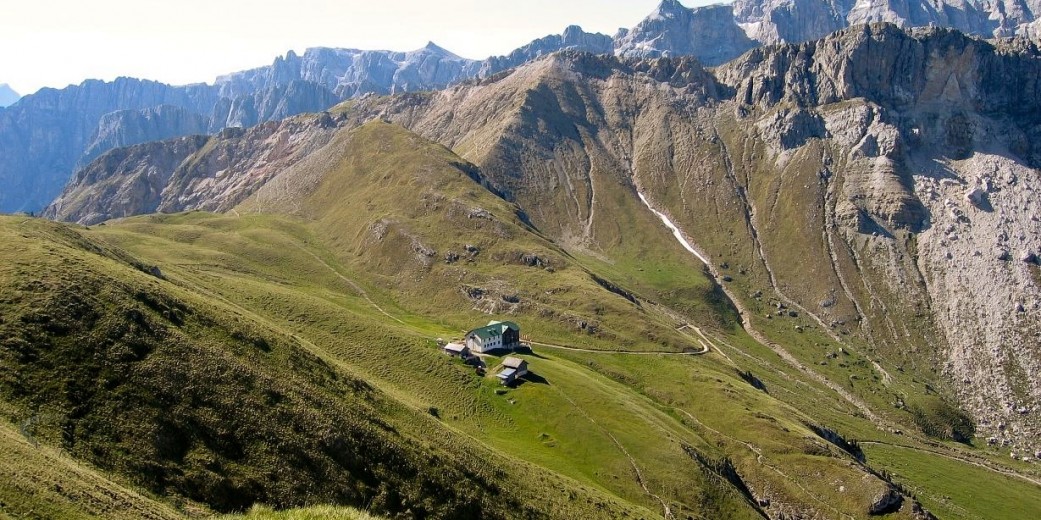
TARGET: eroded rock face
(129,127)
(668,30)
(44,135)
(777,21)
(924,142)
(351,72)
(709,33)
(573,38)
(123,182)
(210,173)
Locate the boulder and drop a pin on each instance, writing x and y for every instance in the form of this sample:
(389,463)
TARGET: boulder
(975,196)
(887,501)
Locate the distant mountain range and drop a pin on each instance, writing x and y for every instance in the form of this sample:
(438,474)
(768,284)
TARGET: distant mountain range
(52,133)
(7,95)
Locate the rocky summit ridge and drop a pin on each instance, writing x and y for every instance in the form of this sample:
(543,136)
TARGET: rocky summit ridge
(67,130)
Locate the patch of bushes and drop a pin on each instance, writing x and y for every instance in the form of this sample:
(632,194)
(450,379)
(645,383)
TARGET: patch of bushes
(222,413)
(940,419)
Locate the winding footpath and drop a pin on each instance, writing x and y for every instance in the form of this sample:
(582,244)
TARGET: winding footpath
(704,350)
(820,378)
(747,322)
(357,288)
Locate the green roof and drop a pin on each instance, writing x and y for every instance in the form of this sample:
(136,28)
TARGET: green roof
(494,329)
(505,325)
(487,332)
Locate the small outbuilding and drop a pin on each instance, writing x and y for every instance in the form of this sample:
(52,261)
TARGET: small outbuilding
(458,350)
(513,369)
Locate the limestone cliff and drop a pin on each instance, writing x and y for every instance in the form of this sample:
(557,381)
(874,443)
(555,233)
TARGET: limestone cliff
(199,172)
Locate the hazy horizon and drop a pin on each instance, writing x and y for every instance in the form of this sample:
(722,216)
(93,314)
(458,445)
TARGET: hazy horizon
(61,43)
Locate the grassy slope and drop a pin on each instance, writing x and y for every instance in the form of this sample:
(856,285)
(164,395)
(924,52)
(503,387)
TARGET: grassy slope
(151,379)
(310,513)
(39,482)
(561,444)
(955,489)
(537,421)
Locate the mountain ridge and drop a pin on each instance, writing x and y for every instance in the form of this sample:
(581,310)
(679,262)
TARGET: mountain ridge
(321,77)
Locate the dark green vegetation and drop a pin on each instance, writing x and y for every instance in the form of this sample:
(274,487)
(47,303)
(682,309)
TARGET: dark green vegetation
(310,513)
(141,378)
(283,354)
(939,419)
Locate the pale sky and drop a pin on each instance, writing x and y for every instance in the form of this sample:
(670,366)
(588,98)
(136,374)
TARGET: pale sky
(55,43)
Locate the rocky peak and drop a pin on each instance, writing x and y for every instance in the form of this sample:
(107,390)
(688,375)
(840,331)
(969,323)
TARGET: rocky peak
(777,21)
(709,33)
(930,67)
(965,15)
(573,34)
(573,38)
(8,96)
(129,127)
(670,9)
(435,49)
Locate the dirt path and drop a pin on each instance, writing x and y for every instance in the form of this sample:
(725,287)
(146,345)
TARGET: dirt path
(357,288)
(632,461)
(758,336)
(986,465)
(705,350)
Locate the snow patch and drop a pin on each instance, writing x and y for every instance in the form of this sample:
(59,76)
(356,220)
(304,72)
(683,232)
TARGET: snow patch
(675,230)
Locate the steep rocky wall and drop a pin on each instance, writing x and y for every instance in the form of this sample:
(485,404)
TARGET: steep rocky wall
(931,177)
(209,173)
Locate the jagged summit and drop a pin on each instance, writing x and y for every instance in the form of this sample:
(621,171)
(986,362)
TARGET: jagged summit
(710,33)
(893,67)
(8,96)
(434,48)
(669,9)
(572,32)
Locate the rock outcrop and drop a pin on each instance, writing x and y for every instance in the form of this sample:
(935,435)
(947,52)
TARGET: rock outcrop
(573,39)
(351,72)
(709,33)
(199,172)
(129,127)
(123,182)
